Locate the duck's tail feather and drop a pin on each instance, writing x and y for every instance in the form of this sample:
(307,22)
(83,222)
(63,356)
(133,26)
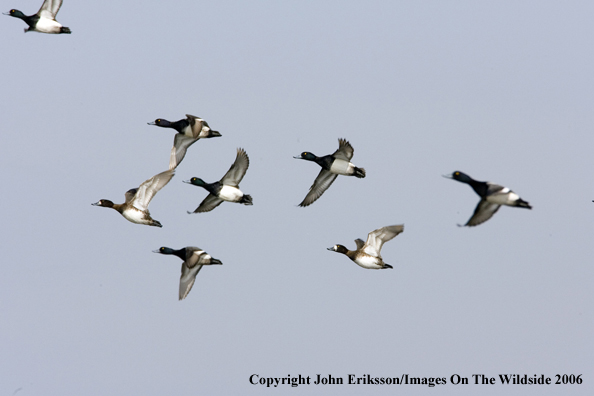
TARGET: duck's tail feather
(246,199)
(523,204)
(387,266)
(359,172)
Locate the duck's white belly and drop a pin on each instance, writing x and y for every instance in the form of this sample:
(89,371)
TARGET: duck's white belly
(135,216)
(342,167)
(368,262)
(506,198)
(231,194)
(45,25)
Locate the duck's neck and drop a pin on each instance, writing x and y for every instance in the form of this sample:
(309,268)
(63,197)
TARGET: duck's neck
(212,188)
(479,187)
(325,161)
(180,125)
(181,253)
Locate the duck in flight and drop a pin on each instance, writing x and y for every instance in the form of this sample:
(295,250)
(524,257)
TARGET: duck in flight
(492,197)
(337,163)
(45,19)
(189,130)
(367,254)
(193,260)
(135,208)
(226,189)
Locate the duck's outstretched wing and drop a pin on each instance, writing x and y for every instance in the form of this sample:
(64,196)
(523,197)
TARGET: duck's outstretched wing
(149,188)
(180,146)
(345,150)
(322,183)
(237,170)
(49,9)
(208,204)
(187,279)
(483,212)
(377,238)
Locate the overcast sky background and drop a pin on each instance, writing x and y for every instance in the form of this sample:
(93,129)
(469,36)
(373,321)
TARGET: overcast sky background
(502,91)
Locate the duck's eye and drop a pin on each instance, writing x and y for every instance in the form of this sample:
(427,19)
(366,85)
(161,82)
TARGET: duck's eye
(158,120)
(456,173)
(162,249)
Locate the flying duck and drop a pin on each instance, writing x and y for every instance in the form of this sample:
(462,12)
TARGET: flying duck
(45,19)
(492,197)
(189,131)
(226,189)
(135,208)
(332,165)
(193,260)
(368,254)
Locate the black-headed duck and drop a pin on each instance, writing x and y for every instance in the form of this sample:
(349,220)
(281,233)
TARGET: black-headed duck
(492,197)
(193,260)
(189,129)
(338,163)
(226,189)
(45,19)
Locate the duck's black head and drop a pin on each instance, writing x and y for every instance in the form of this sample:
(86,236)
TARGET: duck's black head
(106,203)
(164,250)
(460,176)
(161,122)
(196,181)
(16,14)
(306,155)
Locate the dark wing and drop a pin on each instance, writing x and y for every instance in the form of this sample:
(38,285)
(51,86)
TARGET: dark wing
(323,181)
(483,212)
(237,170)
(130,194)
(150,187)
(345,150)
(187,279)
(180,146)
(209,203)
(359,243)
(193,256)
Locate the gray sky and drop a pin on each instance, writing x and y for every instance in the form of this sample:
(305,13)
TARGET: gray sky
(502,91)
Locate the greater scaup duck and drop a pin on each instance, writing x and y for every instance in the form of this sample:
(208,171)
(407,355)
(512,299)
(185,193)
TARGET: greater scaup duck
(135,209)
(226,189)
(492,197)
(194,258)
(332,165)
(45,19)
(189,131)
(368,254)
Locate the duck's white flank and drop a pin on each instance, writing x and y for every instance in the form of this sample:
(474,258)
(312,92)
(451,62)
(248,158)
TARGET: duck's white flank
(45,25)
(231,194)
(342,167)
